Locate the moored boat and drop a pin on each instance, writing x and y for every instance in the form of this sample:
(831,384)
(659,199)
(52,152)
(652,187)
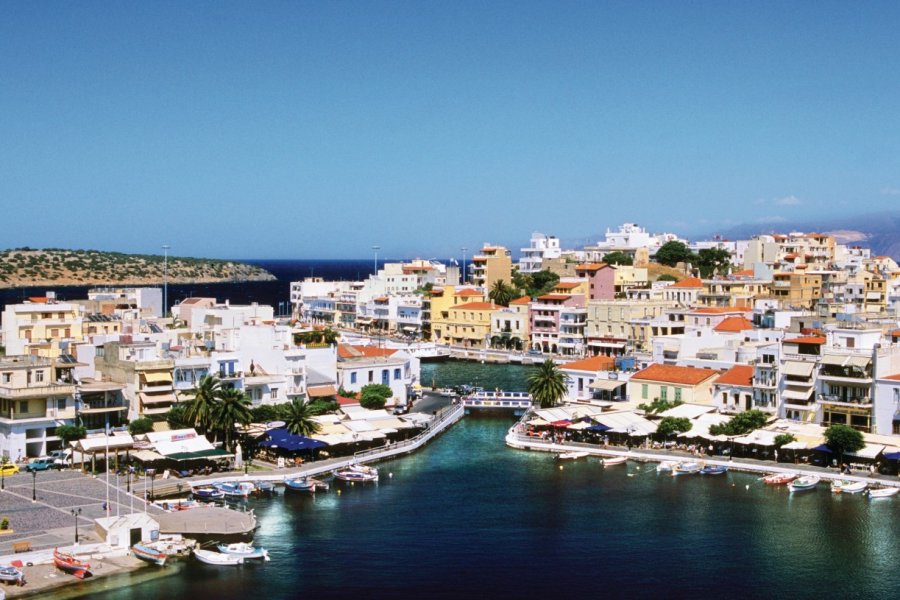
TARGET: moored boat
(885,492)
(305,484)
(207,492)
(241,489)
(686,468)
(264,488)
(854,487)
(713,470)
(245,550)
(802,484)
(665,466)
(779,478)
(357,473)
(68,563)
(177,504)
(151,555)
(574,455)
(218,558)
(12,575)
(614,460)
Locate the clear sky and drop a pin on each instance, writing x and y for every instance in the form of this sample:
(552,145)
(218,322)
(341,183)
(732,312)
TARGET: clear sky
(308,130)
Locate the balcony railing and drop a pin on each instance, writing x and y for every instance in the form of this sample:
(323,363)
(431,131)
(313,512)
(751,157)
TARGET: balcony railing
(36,391)
(845,402)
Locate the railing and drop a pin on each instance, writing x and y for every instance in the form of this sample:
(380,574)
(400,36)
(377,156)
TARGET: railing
(847,402)
(444,419)
(33,391)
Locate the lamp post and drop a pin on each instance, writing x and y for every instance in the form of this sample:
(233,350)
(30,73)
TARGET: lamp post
(152,474)
(165,279)
(376,249)
(34,486)
(3,474)
(75,512)
(464,250)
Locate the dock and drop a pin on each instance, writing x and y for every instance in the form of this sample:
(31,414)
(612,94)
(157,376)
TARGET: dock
(515,402)
(207,521)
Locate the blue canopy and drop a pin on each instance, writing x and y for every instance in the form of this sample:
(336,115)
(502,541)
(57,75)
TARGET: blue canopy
(823,448)
(892,455)
(598,427)
(282,438)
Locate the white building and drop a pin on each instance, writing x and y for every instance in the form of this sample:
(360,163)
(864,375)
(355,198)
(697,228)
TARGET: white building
(540,247)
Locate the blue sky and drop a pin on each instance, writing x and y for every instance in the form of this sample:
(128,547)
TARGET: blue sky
(307,130)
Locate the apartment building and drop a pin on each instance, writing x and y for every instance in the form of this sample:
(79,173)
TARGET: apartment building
(540,247)
(490,265)
(42,326)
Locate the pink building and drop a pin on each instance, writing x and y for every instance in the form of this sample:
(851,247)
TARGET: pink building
(601,278)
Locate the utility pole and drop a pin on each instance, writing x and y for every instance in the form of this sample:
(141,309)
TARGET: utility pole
(464,250)
(376,249)
(165,279)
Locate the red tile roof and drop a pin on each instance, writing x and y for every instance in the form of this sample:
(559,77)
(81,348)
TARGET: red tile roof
(812,339)
(741,375)
(689,282)
(568,285)
(733,325)
(673,374)
(591,266)
(893,377)
(345,401)
(466,293)
(721,310)
(743,273)
(895,333)
(594,363)
(475,306)
(522,300)
(348,351)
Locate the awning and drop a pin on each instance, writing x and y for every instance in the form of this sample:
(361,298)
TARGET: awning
(795,446)
(598,427)
(606,344)
(156,398)
(823,448)
(100,443)
(798,369)
(321,391)
(580,425)
(97,411)
(891,453)
(213,453)
(859,361)
(797,394)
(564,423)
(834,360)
(146,455)
(606,384)
(538,422)
(283,439)
(157,377)
(869,451)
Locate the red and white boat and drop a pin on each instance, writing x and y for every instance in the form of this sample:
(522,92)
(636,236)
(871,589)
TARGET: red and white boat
(70,564)
(779,478)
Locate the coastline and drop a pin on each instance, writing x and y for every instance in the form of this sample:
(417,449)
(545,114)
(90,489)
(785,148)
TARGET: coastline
(45,578)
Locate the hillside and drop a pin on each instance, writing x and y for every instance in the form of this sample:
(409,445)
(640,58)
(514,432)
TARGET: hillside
(25,267)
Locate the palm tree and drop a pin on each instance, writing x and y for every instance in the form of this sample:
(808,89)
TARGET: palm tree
(298,419)
(501,293)
(330,336)
(232,409)
(547,385)
(199,411)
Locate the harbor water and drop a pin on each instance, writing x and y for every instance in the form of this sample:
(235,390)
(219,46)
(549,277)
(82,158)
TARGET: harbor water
(468,517)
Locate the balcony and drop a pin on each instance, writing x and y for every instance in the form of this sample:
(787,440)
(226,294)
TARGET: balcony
(858,403)
(37,391)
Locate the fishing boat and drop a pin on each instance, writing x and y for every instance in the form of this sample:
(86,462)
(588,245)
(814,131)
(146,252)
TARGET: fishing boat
(305,484)
(802,484)
(12,575)
(218,558)
(885,492)
(613,461)
(264,488)
(207,492)
(779,478)
(854,487)
(713,470)
(665,466)
(357,473)
(241,489)
(68,563)
(686,468)
(245,550)
(151,555)
(177,504)
(574,455)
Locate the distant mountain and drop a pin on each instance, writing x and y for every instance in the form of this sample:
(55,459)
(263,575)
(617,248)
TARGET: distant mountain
(878,231)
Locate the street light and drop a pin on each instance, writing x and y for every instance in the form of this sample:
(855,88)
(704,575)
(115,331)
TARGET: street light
(152,474)
(34,486)
(376,249)
(75,512)
(464,250)
(165,279)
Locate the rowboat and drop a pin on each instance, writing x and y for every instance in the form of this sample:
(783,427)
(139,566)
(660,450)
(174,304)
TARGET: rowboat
(713,470)
(686,468)
(614,460)
(218,558)
(151,555)
(70,564)
(264,488)
(305,484)
(244,550)
(241,489)
(807,482)
(12,575)
(574,455)
(886,492)
(207,492)
(779,478)
(357,473)
(854,487)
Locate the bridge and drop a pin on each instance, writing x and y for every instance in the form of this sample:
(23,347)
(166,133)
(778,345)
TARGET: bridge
(517,402)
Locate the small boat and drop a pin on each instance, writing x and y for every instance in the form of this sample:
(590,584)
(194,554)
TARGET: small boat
(574,455)
(854,487)
(241,489)
(665,466)
(305,484)
(178,504)
(686,468)
(265,488)
(243,549)
(207,492)
(613,461)
(713,470)
(807,482)
(151,555)
(68,563)
(779,478)
(12,575)
(885,492)
(218,558)
(357,473)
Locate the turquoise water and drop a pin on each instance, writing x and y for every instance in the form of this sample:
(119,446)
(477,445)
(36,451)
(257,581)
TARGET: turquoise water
(469,517)
(511,378)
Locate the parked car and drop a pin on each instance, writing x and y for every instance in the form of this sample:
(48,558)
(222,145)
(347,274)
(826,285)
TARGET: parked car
(44,463)
(9,468)
(61,458)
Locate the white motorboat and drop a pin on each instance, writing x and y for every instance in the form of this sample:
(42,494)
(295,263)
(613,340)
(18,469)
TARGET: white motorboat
(614,460)
(886,492)
(244,550)
(574,455)
(802,484)
(218,558)
(686,468)
(841,486)
(357,473)
(665,466)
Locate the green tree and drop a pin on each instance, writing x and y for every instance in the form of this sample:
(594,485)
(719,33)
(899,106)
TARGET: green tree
(70,433)
(141,425)
(298,419)
(741,423)
(374,396)
(713,260)
(843,438)
(233,409)
(547,385)
(320,406)
(330,336)
(176,416)
(671,425)
(618,258)
(501,293)
(658,406)
(674,252)
(784,438)
(265,413)
(666,277)
(541,283)
(199,411)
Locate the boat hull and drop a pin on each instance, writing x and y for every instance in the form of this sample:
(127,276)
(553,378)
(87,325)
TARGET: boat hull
(218,559)
(149,555)
(71,565)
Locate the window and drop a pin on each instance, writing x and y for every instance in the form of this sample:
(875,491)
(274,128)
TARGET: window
(352,378)
(644,389)
(7,377)
(385,376)
(38,376)
(60,404)
(677,394)
(23,406)
(397,373)
(371,376)
(663,392)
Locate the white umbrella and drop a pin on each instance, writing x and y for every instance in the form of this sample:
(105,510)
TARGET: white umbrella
(238,457)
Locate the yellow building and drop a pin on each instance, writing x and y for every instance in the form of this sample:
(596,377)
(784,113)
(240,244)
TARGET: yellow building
(627,276)
(610,322)
(796,289)
(469,324)
(510,325)
(492,265)
(442,300)
(39,326)
(147,379)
